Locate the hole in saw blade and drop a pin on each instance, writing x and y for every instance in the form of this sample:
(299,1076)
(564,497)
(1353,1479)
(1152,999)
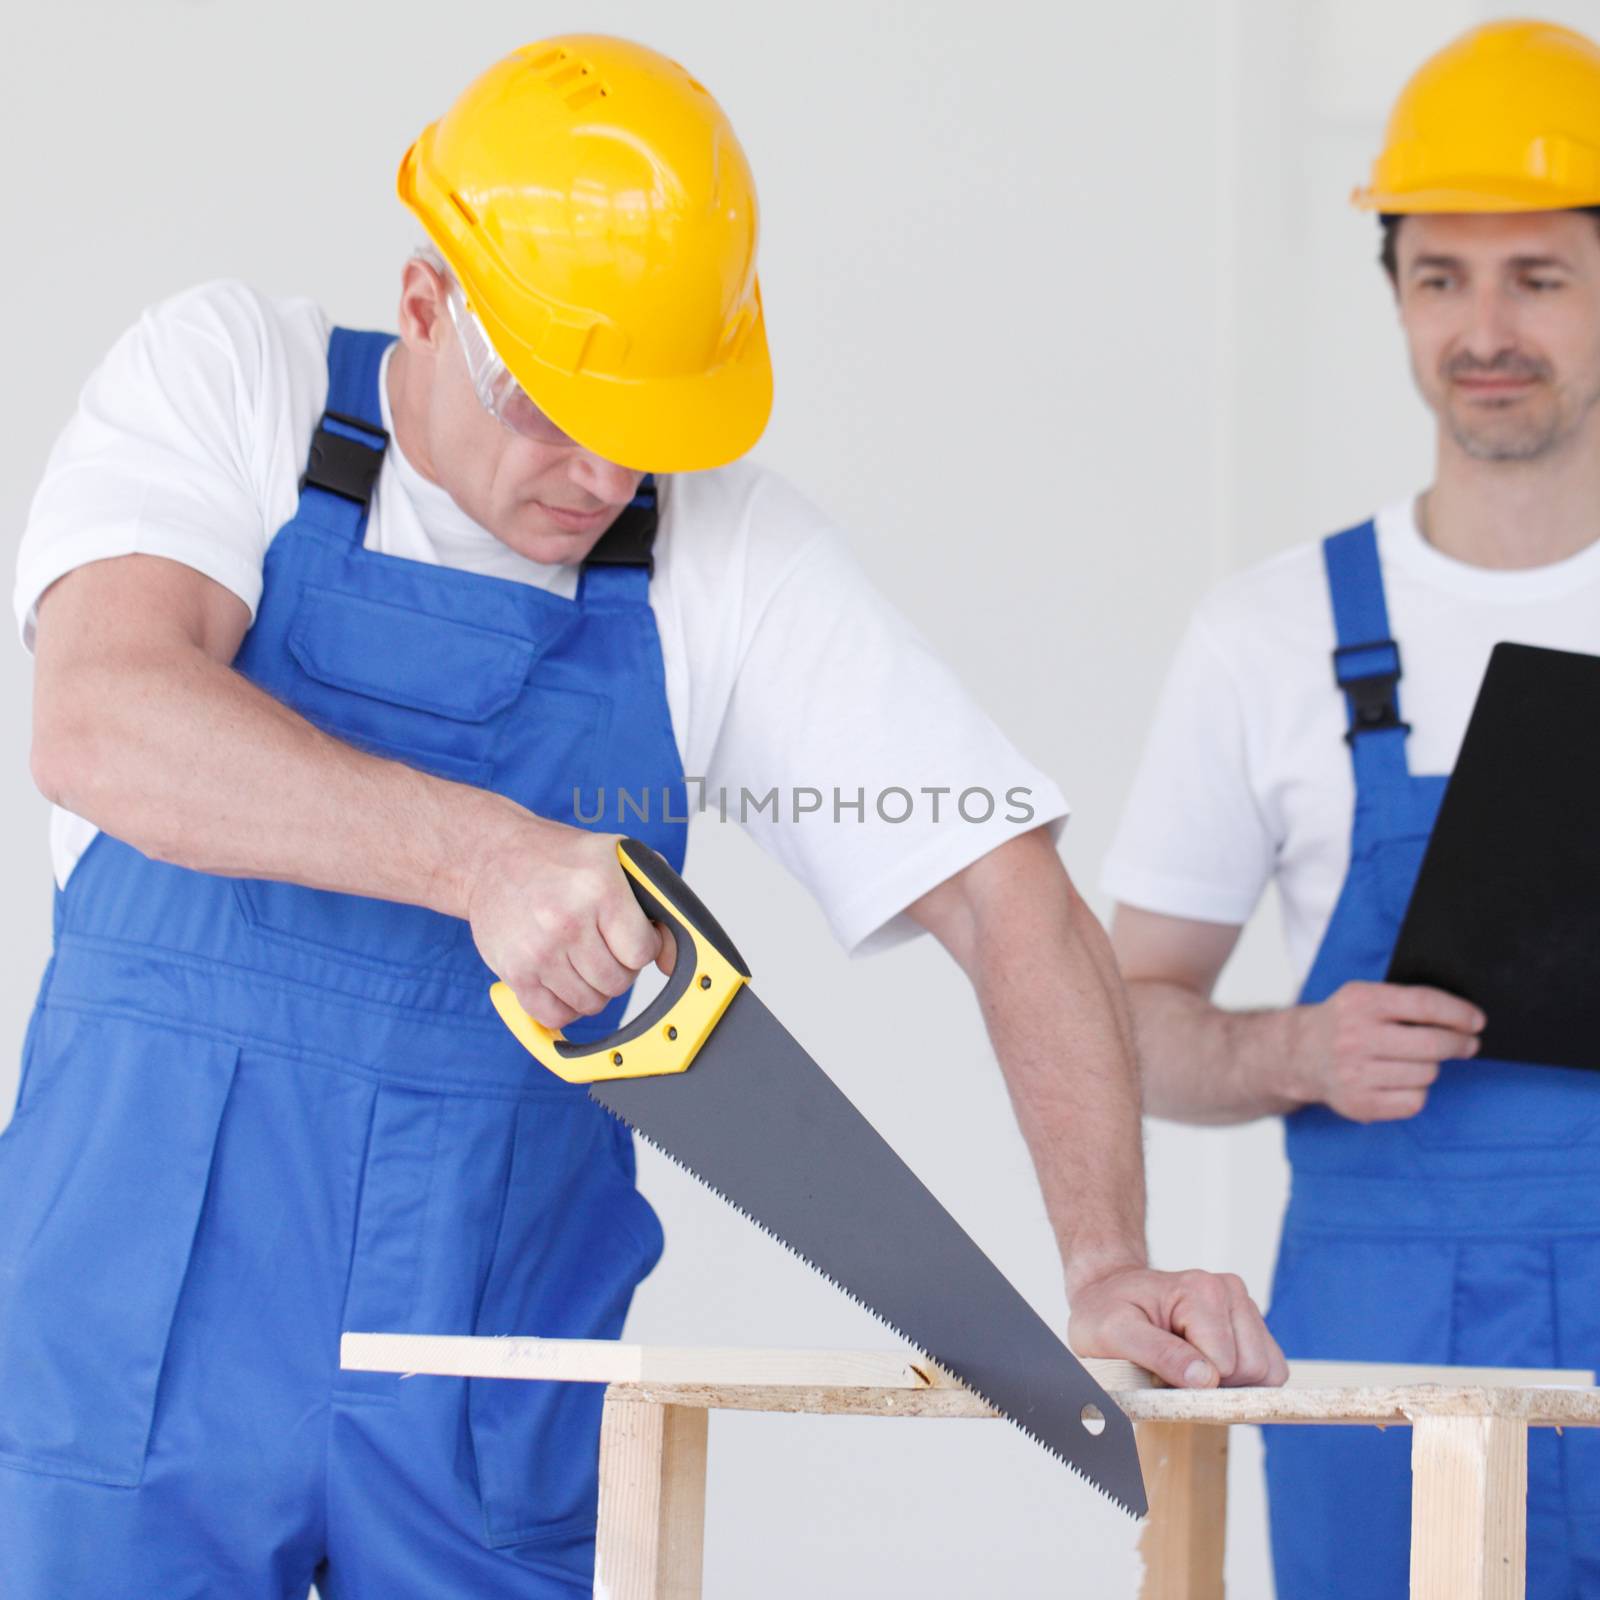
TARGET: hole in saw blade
(1093,1420)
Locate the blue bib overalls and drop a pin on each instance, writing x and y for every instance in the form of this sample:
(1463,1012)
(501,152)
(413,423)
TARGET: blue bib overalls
(1469,1234)
(254,1115)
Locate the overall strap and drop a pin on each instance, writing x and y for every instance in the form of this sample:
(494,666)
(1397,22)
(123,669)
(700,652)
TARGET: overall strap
(617,571)
(348,445)
(1366,660)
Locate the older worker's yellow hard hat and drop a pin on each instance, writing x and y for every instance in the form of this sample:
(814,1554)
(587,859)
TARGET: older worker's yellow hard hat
(594,202)
(1507,118)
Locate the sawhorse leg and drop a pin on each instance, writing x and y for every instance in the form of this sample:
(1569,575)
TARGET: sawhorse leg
(651,1533)
(1185,1468)
(1469,1508)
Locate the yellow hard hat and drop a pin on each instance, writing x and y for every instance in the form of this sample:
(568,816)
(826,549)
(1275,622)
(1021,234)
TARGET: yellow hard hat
(594,202)
(1507,118)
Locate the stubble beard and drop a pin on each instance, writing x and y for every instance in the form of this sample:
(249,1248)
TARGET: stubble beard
(1530,429)
(1507,438)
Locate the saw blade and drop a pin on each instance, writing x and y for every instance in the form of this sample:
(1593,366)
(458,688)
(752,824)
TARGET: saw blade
(757,1120)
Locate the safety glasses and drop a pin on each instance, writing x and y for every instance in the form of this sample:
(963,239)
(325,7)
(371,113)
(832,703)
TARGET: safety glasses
(498,392)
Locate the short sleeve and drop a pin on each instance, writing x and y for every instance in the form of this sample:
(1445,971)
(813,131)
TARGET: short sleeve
(851,753)
(1193,841)
(160,456)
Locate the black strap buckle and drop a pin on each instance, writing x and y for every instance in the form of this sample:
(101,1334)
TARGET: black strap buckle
(342,465)
(1374,706)
(630,540)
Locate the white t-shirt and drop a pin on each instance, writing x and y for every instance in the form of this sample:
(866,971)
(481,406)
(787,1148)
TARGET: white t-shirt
(1246,775)
(784,667)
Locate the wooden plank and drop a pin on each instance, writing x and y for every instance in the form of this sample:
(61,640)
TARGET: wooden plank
(650,1541)
(1186,1480)
(895,1383)
(854,1401)
(1114,1376)
(1393,1375)
(608,1361)
(1469,1492)
(1564,1408)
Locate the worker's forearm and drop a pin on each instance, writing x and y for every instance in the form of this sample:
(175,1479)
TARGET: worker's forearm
(1047,983)
(190,762)
(1204,1064)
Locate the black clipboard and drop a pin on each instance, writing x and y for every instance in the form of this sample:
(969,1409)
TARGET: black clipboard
(1506,907)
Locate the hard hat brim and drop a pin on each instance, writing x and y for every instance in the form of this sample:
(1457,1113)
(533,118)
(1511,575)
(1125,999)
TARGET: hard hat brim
(687,424)
(1474,196)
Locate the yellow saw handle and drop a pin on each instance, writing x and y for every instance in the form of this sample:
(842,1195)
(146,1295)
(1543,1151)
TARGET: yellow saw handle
(665,1036)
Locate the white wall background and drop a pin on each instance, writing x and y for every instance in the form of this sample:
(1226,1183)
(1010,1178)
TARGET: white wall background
(1070,317)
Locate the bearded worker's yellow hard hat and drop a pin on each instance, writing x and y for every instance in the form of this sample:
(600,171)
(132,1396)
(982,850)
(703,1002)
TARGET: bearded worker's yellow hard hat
(1507,118)
(594,203)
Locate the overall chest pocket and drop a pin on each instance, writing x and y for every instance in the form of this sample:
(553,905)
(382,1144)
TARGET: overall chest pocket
(426,690)
(1393,826)
(1393,864)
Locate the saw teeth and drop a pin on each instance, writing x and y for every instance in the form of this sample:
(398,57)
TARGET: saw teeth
(877,1316)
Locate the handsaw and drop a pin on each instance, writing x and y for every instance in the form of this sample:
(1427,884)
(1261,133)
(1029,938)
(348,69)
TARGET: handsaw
(712,1079)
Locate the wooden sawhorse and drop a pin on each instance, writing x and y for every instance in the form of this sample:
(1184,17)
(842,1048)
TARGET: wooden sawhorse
(1469,1453)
